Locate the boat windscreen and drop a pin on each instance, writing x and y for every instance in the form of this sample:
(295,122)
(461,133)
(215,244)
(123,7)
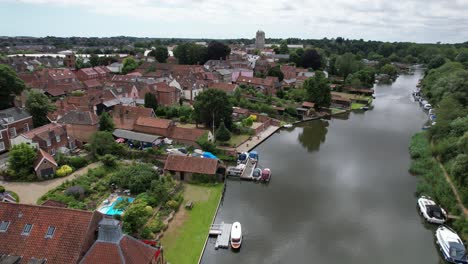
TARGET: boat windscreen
(435,211)
(457,250)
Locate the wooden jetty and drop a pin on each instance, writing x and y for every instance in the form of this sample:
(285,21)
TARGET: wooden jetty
(249,168)
(223,233)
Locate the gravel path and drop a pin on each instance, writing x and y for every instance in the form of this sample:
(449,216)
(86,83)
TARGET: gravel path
(30,192)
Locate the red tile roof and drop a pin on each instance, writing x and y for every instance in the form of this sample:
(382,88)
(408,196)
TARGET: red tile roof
(92,83)
(153,122)
(308,105)
(74,232)
(227,87)
(44,130)
(125,116)
(191,164)
(189,134)
(60,74)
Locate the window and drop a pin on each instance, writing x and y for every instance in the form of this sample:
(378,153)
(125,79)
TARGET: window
(26,127)
(57,138)
(50,232)
(52,152)
(4,226)
(2,146)
(49,143)
(12,132)
(27,229)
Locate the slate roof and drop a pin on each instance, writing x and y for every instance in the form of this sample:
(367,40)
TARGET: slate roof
(13,114)
(78,117)
(73,235)
(126,134)
(191,164)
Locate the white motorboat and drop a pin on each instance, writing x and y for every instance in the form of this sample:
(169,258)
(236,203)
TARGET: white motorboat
(432,212)
(236,235)
(451,245)
(288,126)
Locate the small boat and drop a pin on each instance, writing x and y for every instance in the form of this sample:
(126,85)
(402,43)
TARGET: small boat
(256,174)
(288,126)
(266,175)
(236,235)
(451,245)
(365,108)
(253,155)
(432,212)
(242,157)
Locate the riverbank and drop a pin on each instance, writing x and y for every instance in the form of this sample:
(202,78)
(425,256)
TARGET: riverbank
(432,180)
(185,238)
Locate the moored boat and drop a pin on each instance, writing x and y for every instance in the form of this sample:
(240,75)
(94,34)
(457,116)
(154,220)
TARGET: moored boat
(288,126)
(257,173)
(236,235)
(242,158)
(432,212)
(266,175)
(451,245)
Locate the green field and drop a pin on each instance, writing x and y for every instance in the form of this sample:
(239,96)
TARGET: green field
(184,239)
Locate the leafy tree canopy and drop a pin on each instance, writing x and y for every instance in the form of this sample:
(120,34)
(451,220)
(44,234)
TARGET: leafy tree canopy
(213,104)
(318,90)
(10,84)
(39,105)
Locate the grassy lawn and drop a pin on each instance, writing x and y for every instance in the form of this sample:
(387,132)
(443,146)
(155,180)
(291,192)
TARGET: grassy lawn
(184,239)
(356,106)
(236,140)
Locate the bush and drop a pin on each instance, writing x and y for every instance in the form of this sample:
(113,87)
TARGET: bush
(77,192)
(203,178)
(109,160)
(64,171)
(2,189)
(172,204)
(136,177)
(78,162)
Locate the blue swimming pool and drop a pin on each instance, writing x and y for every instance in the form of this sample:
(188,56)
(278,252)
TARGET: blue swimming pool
(109,209)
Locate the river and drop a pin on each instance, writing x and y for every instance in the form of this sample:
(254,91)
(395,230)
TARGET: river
(340,191)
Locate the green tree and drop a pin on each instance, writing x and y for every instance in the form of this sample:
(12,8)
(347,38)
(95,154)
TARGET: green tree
(390,70)
(102,143)
(94,60)
(136,216)
(276,72)
(460,169)
(10,84)
(21,160)
(223,134)
(150,101)
(129,64)
(136,177)
(191,53)
(311,59)
(39,105)
(213,104)
(436,62)
(160,53)
(347,64)
(283,49)
(217,50)
(106,123)
(318,90)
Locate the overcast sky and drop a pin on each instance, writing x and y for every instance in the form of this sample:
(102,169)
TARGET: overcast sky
(411,20)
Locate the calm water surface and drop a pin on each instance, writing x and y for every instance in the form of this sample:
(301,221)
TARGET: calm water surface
(340,191)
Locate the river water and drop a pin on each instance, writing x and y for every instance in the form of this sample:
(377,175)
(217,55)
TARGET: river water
(340,191)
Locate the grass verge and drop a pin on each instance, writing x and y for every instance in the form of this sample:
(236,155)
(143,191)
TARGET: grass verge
(184,239)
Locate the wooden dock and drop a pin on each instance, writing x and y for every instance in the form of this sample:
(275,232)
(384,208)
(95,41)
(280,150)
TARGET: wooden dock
(223,233)
(249,168)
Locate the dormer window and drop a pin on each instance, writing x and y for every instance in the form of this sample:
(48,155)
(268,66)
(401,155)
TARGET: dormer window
(4,226)
(27,229)
(50,232)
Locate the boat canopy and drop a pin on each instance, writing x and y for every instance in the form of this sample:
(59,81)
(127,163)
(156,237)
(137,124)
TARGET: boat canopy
(243,156)
(457,250)
(253,155)
(435,211)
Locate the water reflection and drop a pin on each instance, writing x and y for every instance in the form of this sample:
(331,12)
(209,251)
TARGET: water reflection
(313,134)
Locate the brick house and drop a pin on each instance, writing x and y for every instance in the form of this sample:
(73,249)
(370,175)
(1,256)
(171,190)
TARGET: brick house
(57,77)
(80,125)
(13,121)
(54,235)
(183,167)
(45,165)
(125,116)
(154,126)
(229,88)
(167,95)
(85,74)
(267,86)
(189,136)
(50,138)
